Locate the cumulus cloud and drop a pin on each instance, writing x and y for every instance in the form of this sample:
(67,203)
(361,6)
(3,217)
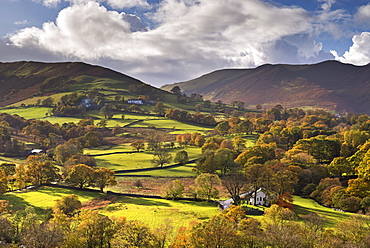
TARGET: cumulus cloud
(359,52)
(326,6)
(190,36)
(113,3)
(362,15)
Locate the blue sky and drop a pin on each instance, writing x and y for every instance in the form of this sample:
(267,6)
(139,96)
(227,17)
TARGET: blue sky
(165,41)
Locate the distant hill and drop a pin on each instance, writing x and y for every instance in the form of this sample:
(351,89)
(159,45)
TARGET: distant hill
(22,80)
(330,85)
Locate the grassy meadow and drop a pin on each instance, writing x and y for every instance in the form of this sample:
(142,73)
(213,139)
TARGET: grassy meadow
(114,160)
(150,211)
(304,206)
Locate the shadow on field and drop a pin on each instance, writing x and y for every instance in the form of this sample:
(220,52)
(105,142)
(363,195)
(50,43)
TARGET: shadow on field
(142,201)
(19,203)
(63,191)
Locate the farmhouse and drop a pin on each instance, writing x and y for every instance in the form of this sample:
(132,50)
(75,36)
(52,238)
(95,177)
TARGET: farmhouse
(140,102)
(260,199)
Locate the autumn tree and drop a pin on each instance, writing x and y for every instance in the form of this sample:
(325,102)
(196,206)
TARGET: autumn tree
(159,109)
(96,229)
(103,177)
(21,177)
(67,204)
(258,176)
(138,145)
(181,157)
(206,163)
(3,182)
(41,169)
(80,175)
(235,182)
(173,190)
(206,184)
(133,234)
(161,157)
(107,111)
(339,166)
(225,160)
(219,231)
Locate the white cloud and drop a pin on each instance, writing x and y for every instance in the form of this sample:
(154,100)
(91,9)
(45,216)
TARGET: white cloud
(326,6)
(120,4)
(362,15)
(359,52)
(190,37)
(21,22)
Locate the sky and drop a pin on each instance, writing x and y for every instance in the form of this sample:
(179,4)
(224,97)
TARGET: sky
(167,41)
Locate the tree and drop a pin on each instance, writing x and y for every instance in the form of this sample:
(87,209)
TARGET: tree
(235,182)
(225,160)
(219,231)
(176,90)
(159,109)
(66,150)
(174,189)
(239,144)
(133,234)
(223,127)
(80,175)
(96,229)
(284,181)
(107,111)
(41,169)
(258,176)
(3,182)
(161,157)
(103,177)
(67,204)
(21,177)
(47,102)
(339,166)
(138,145)
(206,185)
(206,163)
(181,157)
(198,108)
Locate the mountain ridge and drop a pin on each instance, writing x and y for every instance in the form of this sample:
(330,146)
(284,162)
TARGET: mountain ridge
(24,79)
(330,85)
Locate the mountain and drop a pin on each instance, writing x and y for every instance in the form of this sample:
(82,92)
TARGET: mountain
(330,85)
(22,80)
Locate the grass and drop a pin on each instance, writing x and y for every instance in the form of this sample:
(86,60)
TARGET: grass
(155,212)
(131,161)
(178,127)
(180,171)
(150,211)
(28,113)
(44,197)
(304,206)
(12,160)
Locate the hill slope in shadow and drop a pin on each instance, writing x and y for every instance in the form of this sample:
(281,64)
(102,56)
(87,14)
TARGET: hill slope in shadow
(330,85)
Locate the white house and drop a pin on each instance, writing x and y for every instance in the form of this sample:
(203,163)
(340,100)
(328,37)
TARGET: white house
(261,198)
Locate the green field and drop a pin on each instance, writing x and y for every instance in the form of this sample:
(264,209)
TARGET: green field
(11,160)
(179,171)
(178,127)
(304,206)
(28,113)
(131,161)
(44,197)
(151,211)
(155,212)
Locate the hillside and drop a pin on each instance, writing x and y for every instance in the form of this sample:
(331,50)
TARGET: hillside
(330,85)
(22,80)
